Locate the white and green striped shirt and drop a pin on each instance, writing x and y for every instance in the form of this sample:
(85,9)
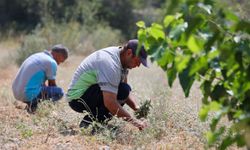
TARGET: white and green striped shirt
(102,67)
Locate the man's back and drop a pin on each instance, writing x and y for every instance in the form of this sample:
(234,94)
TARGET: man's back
(102,67)
(32,74)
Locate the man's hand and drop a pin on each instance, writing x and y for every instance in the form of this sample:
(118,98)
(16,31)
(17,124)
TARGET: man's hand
(131,102)
(139,124)
(115,108)
(137,107)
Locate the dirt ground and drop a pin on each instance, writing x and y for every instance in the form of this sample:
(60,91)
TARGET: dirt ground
(56,126)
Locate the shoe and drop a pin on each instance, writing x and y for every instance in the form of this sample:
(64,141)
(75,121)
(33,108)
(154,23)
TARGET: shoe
(31,107)
(94,128)
(84,124)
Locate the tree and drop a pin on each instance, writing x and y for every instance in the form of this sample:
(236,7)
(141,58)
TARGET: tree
(210,44)
(119,14)
(27,14)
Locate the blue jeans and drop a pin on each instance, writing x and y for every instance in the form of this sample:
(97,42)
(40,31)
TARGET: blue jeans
(48,92)
(51,92)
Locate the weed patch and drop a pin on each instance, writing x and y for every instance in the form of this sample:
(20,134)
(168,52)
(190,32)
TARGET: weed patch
(24,130)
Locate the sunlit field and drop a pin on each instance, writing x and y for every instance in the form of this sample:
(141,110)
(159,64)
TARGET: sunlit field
(172,123)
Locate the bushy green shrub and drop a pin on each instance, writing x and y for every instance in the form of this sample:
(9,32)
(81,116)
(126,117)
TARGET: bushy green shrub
(27,14)
(68,34)
(208,44)
(79,39)
(103,36)
(30,45)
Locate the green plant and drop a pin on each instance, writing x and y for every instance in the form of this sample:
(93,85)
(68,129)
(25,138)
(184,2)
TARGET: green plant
(119,131)
(30,45)
(98,36)
(24,131)
(44,109)
(210,44)
(144,109)
(79,39)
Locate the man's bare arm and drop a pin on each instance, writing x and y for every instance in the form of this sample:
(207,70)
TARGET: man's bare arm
(115,108)
(131,102)
(51,82)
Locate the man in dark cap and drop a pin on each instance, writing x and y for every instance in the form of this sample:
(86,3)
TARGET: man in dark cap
(99,85)
(29,84)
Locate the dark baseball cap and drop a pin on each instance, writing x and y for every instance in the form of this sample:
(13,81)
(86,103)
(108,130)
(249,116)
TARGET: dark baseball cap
(132,44)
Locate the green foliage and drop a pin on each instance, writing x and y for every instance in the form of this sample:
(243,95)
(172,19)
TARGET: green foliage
(30,45)
(241,7)
(118,14)
(144,109)
(103,36)
(207,43)
(25,131)
(45,108)
(27,14)
(117,130)
(79,39)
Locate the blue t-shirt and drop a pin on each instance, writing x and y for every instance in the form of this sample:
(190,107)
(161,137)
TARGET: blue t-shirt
(32,74)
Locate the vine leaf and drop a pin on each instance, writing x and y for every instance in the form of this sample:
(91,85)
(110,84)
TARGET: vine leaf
(186,81)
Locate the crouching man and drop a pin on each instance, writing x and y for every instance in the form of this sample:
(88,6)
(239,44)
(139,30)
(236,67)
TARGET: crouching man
(29,85)
(99,85)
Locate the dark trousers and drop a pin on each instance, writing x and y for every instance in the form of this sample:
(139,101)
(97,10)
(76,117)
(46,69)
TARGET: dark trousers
(92,102)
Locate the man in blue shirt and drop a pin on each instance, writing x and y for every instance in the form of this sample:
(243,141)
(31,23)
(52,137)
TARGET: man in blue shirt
(29,84)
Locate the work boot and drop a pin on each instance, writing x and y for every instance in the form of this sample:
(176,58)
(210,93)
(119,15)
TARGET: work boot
(31,107)
(84,124)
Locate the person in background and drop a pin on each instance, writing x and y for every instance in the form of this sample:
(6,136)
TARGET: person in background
(29,85)
(99,85)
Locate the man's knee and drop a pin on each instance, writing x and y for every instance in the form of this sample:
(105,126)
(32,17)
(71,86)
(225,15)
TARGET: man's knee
(57,93)
(60,91)
(77,105)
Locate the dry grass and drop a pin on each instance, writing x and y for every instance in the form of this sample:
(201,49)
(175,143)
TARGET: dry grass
(173,121)
(7,47)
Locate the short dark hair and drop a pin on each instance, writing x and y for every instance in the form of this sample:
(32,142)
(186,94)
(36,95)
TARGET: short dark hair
(59,48)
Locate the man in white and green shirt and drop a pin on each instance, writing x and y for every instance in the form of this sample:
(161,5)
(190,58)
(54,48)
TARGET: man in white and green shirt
(99,85)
